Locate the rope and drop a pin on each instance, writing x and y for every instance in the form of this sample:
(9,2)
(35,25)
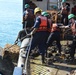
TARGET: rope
(57,71)
(17,42)
(27,57)
(9,47)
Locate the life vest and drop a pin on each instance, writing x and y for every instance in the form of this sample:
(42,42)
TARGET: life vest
(54,27)
(73,28)
(43,25)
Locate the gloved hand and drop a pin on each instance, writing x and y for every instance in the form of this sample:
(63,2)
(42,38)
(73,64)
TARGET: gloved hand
(29,35)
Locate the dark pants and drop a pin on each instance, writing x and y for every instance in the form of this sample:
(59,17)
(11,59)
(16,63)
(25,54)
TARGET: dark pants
(64,19)
(72,52)
(39,39)
(54,36)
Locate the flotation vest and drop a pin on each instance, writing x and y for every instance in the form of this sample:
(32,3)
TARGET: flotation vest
(73,28)
(54,27)
(43,25)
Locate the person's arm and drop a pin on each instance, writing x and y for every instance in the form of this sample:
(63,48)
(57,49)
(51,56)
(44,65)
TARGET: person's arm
(36,25)
(23,18)
(34,30)
(26,17)
(63,26)
(16,41)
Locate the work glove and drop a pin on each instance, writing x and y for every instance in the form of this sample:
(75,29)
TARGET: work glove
(29,35)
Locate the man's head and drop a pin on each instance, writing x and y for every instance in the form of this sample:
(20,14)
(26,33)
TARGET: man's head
(46,14)
(63,2)
(27,6)
(37,11)
(71,18)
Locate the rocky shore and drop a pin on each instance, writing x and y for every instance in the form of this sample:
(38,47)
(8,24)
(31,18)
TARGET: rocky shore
(8,58)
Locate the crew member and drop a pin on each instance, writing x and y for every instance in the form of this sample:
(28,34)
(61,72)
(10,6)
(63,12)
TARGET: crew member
(28,17)
(46,14)
(72,25)
(65,9)
(40,33)
(21,36)
(54,36)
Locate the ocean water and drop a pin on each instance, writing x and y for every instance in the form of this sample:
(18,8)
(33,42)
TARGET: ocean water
(10,20)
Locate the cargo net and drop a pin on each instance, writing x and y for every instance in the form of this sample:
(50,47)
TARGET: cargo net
(39,69)
(54,64)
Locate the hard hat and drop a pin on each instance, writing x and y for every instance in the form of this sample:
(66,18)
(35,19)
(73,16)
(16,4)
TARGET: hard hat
(63,1)
(27,5)
(37,10)
(45,13)
(71,16)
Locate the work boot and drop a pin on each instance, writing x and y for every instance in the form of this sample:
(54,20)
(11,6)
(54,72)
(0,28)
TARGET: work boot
(70,60)
(58,53)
